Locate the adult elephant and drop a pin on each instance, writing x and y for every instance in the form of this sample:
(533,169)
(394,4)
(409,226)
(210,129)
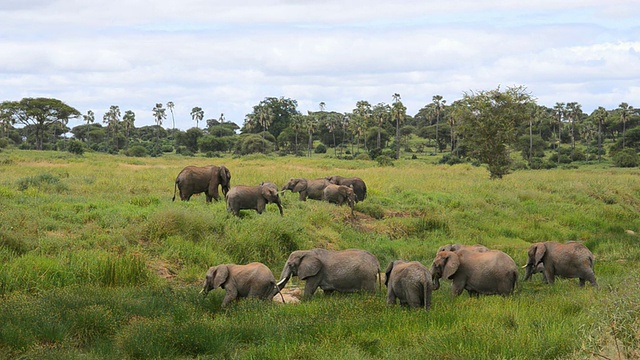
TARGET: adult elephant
(253,197)
(358,185)
(342,271)
(570,260)
(339,194)
(488,273)
(456,247)
(311,189)
(410,283)
(241,281)
(195,179)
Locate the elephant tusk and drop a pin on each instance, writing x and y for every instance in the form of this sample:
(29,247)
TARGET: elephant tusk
(281,282)
(524,266)
(202,292)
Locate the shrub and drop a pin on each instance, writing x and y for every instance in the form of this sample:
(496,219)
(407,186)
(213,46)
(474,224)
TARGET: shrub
(626,158)
(320,149)
(75,147)
(137,151)
(362,156)
(384,160)
(4,143)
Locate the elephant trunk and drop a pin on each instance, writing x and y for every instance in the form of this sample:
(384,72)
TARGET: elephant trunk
(436,283)
(279,203)
(284,277)
(528,272)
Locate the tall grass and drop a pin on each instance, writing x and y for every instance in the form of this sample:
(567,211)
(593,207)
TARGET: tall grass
(97,262)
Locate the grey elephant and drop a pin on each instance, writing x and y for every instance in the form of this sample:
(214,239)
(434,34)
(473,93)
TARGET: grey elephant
(570,260)
(241,281)
(456,247)
(487,273)
(311,189)
(195,179)
(252,197)
(339,194)
(410,283)
(359,186)
(342,271)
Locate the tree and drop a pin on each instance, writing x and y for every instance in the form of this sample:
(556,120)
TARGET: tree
(574,113)
(362,114)
(6,122)
(197,114)
(128,121)
(398,112)
(381,113)
(37,113)
(625,111)
(600,115)
(559,112)
(159,115)
(297,123)
(488,123)
(280,111)
(438,103)
(311,124)
(89,118)
(170,106)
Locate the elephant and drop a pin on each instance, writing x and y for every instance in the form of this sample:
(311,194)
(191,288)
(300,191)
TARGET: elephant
(456,247)
(194,180)
(570,260)
(342,271)
(409,282)
(488,273)
(359,187)
(252,197)
(339,194)
(311,189)
(241,281)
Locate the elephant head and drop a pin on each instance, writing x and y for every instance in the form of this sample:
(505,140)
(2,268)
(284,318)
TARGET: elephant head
(271,195)
(224,177)
(216,277)
(444,266)
(535,254)
(295,185)
(303,264)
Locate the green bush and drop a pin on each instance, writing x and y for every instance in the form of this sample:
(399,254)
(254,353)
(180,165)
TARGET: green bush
(362,156)
(384,160)
(136,151)
(320,149)
(626,158)
(75,147)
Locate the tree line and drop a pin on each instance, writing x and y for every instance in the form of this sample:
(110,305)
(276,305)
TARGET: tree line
(485,126)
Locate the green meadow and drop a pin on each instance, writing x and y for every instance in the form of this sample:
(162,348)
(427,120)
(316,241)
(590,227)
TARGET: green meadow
(97,262)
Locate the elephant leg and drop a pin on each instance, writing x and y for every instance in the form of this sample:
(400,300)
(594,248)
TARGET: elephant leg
(391,297)
(209,198)
(328,292)
(230,295)
(457,288)
(582,281)
(414,298)
(310,287)
(550,276)
(473,293)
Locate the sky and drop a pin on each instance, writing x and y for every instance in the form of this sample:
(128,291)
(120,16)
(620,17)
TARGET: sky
(227,56)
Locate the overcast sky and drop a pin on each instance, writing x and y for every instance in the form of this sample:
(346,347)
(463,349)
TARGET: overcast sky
(227,56)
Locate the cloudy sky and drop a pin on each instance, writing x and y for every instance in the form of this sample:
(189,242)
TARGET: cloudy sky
(227,56)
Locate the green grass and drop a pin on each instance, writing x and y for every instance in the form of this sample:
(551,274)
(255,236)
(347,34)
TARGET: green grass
(97,262)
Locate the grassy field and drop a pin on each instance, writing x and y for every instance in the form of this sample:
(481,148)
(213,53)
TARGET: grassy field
(97,262)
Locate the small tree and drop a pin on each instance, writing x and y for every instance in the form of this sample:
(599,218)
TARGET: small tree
(488,123)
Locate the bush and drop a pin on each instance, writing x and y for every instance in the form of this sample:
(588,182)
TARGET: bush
(183,150)
(626,158)
(384,160)
(320,149)
(137,151)
(4,143)
(362,156)
(75,147)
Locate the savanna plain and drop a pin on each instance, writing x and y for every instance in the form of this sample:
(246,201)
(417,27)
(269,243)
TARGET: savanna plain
(97,262)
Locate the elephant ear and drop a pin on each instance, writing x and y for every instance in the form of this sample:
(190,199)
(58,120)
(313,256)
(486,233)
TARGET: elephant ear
(225,176)
(301,185)
(387,273)
(221,275)
(451,266)
(309,266)
(541,249)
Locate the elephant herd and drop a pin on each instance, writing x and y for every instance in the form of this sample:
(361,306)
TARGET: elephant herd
(207,179)
(474,268)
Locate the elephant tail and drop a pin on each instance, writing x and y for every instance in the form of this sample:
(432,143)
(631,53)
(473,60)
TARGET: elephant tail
(175,185)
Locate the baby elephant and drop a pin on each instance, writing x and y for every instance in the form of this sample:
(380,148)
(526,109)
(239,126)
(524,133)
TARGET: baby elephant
(570,260)
(241,281)
(339,194)
(252,197)
(490,272)
(409,282)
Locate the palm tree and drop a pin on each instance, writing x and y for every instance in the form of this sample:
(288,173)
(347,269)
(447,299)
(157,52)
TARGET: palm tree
(159,115)
(439,107)
(380,112)
(170,106)
(601,116)
(559,112)
(311,123)
(112,119)
(625,111)
(127,121)
(297,123)
(398,112)
(197,114)
(331,121)
(90,117)
(363,113)
(574,112)
(265,118)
